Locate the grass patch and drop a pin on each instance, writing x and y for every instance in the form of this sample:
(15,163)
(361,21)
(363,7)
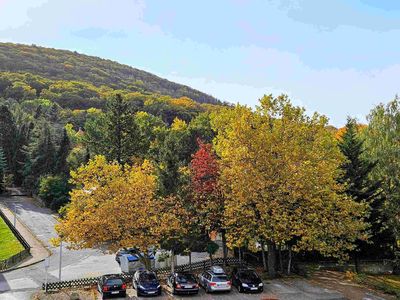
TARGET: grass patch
(9,245)
(389,284)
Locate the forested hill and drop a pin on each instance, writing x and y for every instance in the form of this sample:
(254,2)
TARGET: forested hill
(71,66)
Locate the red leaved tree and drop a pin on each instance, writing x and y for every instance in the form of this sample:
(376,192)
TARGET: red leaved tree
(208,196)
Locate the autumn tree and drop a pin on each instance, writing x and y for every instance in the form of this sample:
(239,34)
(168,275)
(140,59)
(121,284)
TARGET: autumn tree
(117,207)
(279,168)
(208,196)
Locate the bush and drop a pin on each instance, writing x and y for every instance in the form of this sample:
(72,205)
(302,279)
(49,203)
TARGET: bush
(53,190)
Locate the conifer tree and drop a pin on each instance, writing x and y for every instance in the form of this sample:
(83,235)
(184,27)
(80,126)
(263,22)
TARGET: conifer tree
(356,168)
(7,136)
(360,186)
(122,133)
(3,166)
(41,155)
(61,166)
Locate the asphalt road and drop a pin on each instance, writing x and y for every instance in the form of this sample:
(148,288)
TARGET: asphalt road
(19,284)
(275,289)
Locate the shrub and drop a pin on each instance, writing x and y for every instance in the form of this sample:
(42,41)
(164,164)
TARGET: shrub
(53,190)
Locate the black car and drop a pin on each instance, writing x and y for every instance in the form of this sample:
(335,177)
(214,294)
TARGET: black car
(183,283)
(146,283)
(110,285)
(246,280)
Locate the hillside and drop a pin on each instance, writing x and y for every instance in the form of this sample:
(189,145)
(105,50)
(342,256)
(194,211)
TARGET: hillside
(65,65)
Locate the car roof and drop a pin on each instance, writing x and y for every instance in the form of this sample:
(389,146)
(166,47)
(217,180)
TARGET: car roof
(183,274)
(217,270)
(110,276)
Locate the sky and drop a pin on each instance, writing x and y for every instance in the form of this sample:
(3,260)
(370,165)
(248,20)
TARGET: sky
(337,57)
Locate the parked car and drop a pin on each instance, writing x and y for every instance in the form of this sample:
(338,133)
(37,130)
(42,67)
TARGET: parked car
(146,283)
(246,280)
(215,280)
(183,283)
(109,285)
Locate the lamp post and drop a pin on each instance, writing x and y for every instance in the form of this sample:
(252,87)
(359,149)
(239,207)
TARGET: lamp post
(46,267)
(15,216)
(59,266)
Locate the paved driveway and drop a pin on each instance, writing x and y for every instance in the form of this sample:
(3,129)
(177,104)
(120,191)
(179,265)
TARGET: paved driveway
(19,284)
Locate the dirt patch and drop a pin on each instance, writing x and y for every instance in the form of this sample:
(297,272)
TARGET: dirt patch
(351,290)
(67,295)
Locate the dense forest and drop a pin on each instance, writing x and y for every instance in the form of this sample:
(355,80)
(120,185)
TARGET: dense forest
(65,65)
(80,134)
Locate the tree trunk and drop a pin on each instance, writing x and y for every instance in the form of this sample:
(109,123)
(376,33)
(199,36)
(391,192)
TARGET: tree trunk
(145,260)
(211,259)
(224,248)
(190,261)
(356,263)
(271,259)
(280,259)
(263,256)
(289,267)
(172,261)
(240,255)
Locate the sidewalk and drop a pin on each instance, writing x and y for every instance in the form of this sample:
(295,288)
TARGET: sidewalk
(38,251)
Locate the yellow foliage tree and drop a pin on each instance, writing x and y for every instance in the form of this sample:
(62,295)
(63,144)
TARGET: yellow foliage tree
(279,171)
(117,207)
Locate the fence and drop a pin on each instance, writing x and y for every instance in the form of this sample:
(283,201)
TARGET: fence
(17,258)
(161,273)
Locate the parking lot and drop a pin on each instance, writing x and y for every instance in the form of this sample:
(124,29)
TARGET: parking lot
(296,289)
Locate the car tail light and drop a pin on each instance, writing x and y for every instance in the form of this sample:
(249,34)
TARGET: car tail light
(197,285)
(124,286)
(213,284)
(178,286)
(229,283)
(105,288)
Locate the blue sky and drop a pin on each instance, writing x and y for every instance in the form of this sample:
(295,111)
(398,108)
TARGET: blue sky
(338,57)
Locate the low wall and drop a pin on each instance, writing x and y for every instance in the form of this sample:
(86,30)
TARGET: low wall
(17,258)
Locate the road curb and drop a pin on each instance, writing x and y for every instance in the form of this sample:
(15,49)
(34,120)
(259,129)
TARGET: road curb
(27,228)
(24,266)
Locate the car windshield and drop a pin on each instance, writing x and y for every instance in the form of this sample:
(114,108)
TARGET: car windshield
(248,275)
(220,278)
(183,278)
(114,282)
(148,277)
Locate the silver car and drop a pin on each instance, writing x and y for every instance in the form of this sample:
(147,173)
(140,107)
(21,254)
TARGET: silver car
(215,282)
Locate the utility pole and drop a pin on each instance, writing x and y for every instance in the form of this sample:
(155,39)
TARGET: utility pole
(46,267)
(59,267)
(15,216)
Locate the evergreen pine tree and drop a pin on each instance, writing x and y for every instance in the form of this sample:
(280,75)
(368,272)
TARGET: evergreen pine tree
(360,186)
(7,136)
(122,133)
(3,166)
(41,155)
(61,166)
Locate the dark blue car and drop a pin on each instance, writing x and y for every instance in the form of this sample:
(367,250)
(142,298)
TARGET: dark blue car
(146,283)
